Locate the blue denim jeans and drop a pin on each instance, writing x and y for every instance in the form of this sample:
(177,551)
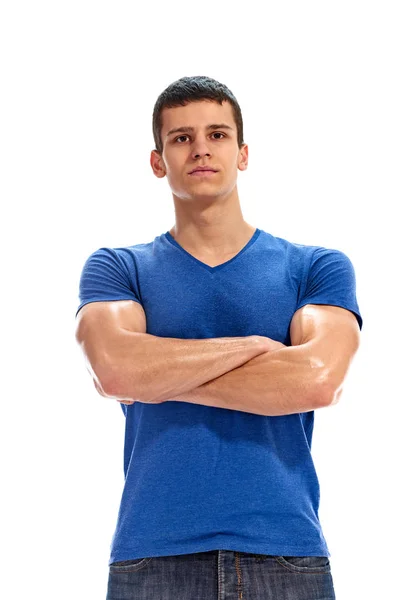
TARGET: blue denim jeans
(221,575)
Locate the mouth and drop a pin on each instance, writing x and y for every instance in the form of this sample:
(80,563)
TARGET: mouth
(203,173)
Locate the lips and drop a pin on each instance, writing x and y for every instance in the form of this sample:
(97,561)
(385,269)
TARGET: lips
(202,169)
(203,174)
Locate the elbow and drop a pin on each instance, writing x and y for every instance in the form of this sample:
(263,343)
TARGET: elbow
(129,390)
(130,385)
(115,386)
(327,393)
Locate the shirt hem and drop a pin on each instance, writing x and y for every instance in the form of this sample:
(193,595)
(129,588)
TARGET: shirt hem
(124,553)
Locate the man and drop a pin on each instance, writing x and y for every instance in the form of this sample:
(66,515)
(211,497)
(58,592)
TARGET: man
(219,340)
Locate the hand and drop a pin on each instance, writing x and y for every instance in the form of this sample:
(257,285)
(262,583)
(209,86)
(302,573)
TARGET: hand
(275,345)
(270,344)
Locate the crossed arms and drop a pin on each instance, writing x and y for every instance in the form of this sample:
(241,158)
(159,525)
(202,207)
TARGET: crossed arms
(307,375)
(290,379)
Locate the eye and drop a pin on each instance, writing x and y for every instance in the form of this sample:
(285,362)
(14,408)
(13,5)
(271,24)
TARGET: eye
(185,136)
(218,133)
(180,137)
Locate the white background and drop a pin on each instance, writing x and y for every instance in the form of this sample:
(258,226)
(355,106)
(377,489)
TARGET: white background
(318,84)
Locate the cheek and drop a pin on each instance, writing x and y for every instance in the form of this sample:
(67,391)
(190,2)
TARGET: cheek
(174,165)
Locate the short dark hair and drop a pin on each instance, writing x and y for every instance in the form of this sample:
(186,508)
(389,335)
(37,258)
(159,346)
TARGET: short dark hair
(192,89)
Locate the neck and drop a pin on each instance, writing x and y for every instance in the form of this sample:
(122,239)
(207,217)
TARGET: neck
(215,229)
(217,238)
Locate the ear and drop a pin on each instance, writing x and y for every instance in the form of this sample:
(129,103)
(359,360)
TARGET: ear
(157,164)
(243,158)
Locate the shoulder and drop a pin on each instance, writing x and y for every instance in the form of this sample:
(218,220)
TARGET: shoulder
(120,254)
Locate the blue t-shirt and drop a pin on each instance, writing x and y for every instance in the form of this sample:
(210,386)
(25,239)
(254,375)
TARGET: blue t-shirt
(201,478)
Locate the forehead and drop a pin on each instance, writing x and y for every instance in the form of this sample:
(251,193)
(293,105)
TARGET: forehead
(197,114)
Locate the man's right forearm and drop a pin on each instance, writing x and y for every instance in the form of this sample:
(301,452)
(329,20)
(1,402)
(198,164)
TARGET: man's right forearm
(149,369)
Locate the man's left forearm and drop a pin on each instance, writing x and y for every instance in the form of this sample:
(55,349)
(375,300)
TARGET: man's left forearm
(280,382)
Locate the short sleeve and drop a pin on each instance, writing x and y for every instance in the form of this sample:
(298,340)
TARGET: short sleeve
(104,277)
(330,279)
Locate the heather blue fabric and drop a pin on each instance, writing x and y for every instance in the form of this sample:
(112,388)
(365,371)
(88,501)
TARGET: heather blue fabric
(200,478)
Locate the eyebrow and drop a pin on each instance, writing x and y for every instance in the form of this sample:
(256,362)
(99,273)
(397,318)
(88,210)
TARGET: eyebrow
(184,129)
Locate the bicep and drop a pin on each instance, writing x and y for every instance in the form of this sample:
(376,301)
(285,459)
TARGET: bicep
(100,327)
(332,335)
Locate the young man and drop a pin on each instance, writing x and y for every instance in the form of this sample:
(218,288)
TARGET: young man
(219,340)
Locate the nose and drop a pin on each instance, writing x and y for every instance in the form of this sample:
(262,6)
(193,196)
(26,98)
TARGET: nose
(200,148)
(198,154)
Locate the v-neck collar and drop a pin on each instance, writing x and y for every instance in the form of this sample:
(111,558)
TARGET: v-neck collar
(251,241)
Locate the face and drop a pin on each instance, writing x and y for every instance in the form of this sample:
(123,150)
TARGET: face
(215,147)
